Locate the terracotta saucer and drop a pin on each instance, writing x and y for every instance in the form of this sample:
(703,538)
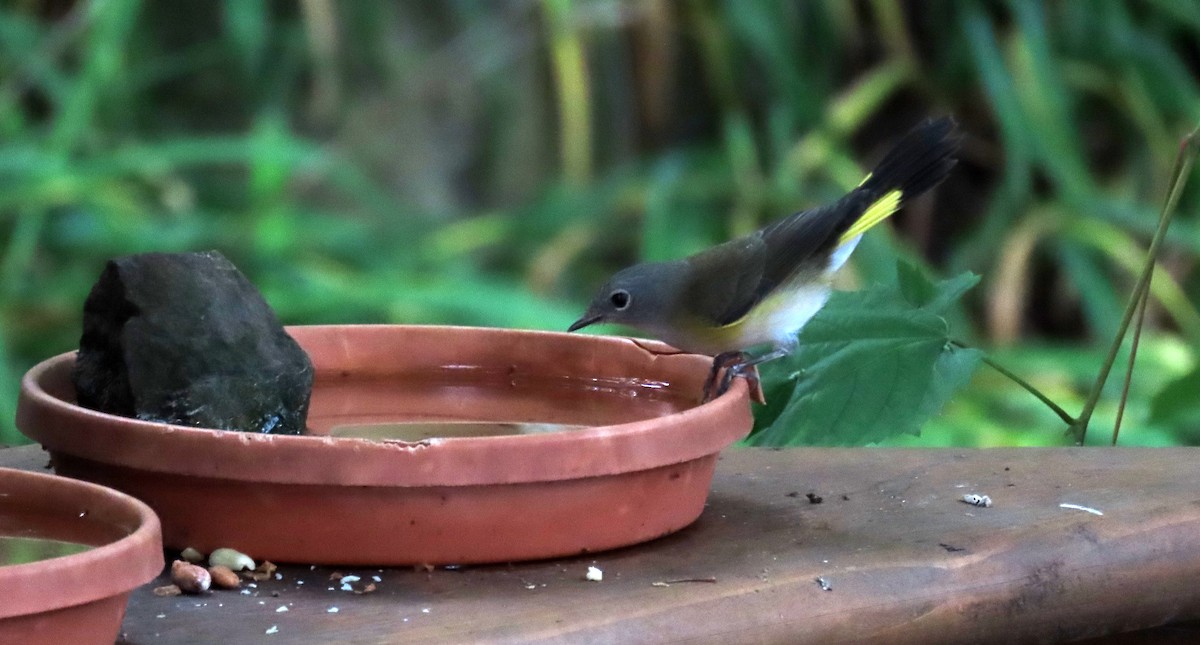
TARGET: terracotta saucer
(638,468)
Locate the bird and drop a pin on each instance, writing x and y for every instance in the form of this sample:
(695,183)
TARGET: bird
(757,292)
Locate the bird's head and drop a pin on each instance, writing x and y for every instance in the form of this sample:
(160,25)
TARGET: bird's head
(639,296)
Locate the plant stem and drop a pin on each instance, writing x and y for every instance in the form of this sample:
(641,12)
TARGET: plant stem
(1183,166)
(1029,387)
(1133,349)
(1062,414)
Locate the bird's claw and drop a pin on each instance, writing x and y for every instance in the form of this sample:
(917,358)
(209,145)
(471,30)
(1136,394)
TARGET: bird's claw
(725,368)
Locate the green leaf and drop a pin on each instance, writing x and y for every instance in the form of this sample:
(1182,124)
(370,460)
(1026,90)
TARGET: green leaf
(951,372)
(1175,405)
(917,290)
(871,364)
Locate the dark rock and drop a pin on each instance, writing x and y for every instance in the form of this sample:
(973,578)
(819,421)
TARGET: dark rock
(185,338)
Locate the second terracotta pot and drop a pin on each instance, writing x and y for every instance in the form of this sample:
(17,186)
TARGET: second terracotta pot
(85,549)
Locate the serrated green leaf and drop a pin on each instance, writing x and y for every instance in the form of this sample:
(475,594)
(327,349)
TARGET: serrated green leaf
(946,292)
(917,289)
(870,365)
(951,372)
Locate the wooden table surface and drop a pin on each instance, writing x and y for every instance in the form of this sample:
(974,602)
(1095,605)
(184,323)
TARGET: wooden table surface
(903,560)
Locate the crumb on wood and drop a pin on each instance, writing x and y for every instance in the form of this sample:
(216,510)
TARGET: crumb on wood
(976,499)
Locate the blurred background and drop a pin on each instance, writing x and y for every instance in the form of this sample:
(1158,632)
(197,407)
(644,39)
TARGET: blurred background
(490,163)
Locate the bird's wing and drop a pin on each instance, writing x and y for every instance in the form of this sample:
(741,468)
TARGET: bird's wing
(803,242)
(725,280)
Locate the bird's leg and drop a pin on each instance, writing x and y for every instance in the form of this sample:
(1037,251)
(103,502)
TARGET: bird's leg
(720,361)
(748,367)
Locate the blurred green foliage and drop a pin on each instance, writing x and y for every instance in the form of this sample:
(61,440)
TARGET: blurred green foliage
(491,162)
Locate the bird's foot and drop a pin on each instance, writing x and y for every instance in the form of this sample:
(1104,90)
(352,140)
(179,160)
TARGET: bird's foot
(739,364)
(721,363)
(748,371)
(725,367)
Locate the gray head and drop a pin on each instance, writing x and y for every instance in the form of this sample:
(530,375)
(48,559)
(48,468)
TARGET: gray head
(639,296)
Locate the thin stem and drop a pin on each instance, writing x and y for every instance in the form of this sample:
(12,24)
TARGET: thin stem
(1062,414)
(1029,387)
(1133,349)
(1183,167)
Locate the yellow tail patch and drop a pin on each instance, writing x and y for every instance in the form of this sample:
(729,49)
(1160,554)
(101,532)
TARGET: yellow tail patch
(875,213)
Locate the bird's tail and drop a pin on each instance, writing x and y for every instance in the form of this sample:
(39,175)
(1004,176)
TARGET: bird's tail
(920,161)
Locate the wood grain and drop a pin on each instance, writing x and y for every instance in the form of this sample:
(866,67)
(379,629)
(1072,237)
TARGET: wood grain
(905,560)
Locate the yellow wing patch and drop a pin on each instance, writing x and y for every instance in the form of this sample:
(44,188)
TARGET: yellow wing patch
(875,213)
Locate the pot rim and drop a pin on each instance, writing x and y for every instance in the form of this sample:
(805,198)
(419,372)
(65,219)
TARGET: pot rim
(100,572)
(595,451)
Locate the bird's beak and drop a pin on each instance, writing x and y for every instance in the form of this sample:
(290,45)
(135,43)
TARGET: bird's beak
(588,319)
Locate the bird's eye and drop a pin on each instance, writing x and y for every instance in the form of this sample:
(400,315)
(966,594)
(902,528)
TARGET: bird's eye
(619,299)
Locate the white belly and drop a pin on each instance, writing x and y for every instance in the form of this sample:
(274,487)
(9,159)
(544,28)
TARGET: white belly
(783,316)
(775,322)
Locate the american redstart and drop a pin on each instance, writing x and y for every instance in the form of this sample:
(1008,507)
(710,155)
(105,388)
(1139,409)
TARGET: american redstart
(761,289)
